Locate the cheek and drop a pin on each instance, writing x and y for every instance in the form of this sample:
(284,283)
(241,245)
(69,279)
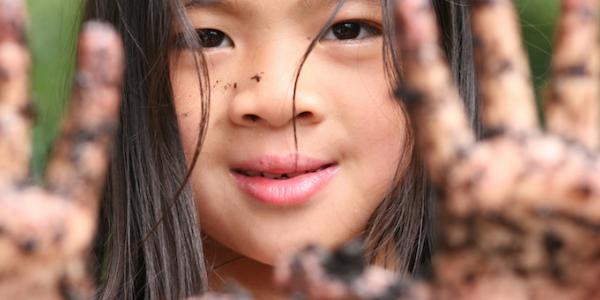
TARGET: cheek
(377,133)
(374,121)
(187,101)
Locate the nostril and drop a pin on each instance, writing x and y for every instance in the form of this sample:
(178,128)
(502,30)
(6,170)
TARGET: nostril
(251,117)
(304,115)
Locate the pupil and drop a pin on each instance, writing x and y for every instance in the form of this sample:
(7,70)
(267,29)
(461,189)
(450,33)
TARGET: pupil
(211,38)
(346,31)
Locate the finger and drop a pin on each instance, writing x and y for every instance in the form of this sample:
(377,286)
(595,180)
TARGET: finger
(572,103)
(15,106)
(78,165)
(342,274)
(502,68)
(428,91)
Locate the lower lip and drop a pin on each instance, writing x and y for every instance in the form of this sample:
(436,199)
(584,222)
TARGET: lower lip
(282,192)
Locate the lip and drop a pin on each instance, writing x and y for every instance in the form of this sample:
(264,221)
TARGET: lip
(283,192)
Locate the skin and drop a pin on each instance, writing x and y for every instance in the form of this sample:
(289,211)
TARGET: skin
(345,113)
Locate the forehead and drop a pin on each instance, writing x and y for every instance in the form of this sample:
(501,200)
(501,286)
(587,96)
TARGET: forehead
(233,2)
(301,4)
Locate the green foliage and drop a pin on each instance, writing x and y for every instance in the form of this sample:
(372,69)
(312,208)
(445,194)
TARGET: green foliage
(538,23)
(53,27)
(55,23)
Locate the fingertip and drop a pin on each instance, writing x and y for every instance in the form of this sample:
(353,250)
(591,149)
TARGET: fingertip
(571,104)
(416,23)
(12,21)
(100,52)
(99,34)
(100,65)
(579,4)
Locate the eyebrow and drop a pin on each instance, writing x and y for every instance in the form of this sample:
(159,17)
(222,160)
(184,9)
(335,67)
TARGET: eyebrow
(233,4)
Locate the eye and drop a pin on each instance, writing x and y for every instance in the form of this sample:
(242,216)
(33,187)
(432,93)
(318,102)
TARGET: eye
(351,30)
(213,38)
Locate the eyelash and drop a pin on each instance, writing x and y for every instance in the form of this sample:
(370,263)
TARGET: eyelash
(207,33)
(366,30)
(345,31)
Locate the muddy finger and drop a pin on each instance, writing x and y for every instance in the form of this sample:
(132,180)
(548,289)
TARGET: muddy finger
(502,68)
(16,111)
(79,162)
(342,274)
(428,90)
(572,108)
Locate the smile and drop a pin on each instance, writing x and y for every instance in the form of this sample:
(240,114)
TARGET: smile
(283,181)
(279,176)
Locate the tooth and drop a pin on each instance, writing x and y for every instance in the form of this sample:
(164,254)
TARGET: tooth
(269,175)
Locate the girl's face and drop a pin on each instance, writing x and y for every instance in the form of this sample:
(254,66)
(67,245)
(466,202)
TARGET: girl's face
(257,194)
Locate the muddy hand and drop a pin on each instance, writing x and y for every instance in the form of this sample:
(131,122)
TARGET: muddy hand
(315,273)
(45,232)
(520,216)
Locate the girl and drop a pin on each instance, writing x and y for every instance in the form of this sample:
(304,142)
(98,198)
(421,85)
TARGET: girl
(282,111)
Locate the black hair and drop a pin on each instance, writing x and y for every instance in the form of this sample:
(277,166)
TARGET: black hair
(147,168)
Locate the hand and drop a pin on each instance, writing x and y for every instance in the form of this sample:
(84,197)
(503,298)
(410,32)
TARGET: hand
(521,209)
(315,273)
(46,231)
(520,213)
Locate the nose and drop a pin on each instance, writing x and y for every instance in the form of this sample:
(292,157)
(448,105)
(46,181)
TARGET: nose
(267,98)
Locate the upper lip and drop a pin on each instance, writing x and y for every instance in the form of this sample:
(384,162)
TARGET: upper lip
(290,165)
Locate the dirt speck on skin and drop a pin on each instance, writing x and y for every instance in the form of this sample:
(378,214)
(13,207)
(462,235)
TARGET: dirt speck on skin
(230,85)
(29,111)
(257,77)
(29,246)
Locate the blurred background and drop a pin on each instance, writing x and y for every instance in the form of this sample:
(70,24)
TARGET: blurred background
(54,24)
(53,28)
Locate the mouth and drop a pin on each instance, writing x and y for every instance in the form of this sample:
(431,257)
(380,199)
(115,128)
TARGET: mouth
(283,181)
(280,176)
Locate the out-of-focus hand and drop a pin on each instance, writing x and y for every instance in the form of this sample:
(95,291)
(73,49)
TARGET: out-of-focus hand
(520,214)
(46,231)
